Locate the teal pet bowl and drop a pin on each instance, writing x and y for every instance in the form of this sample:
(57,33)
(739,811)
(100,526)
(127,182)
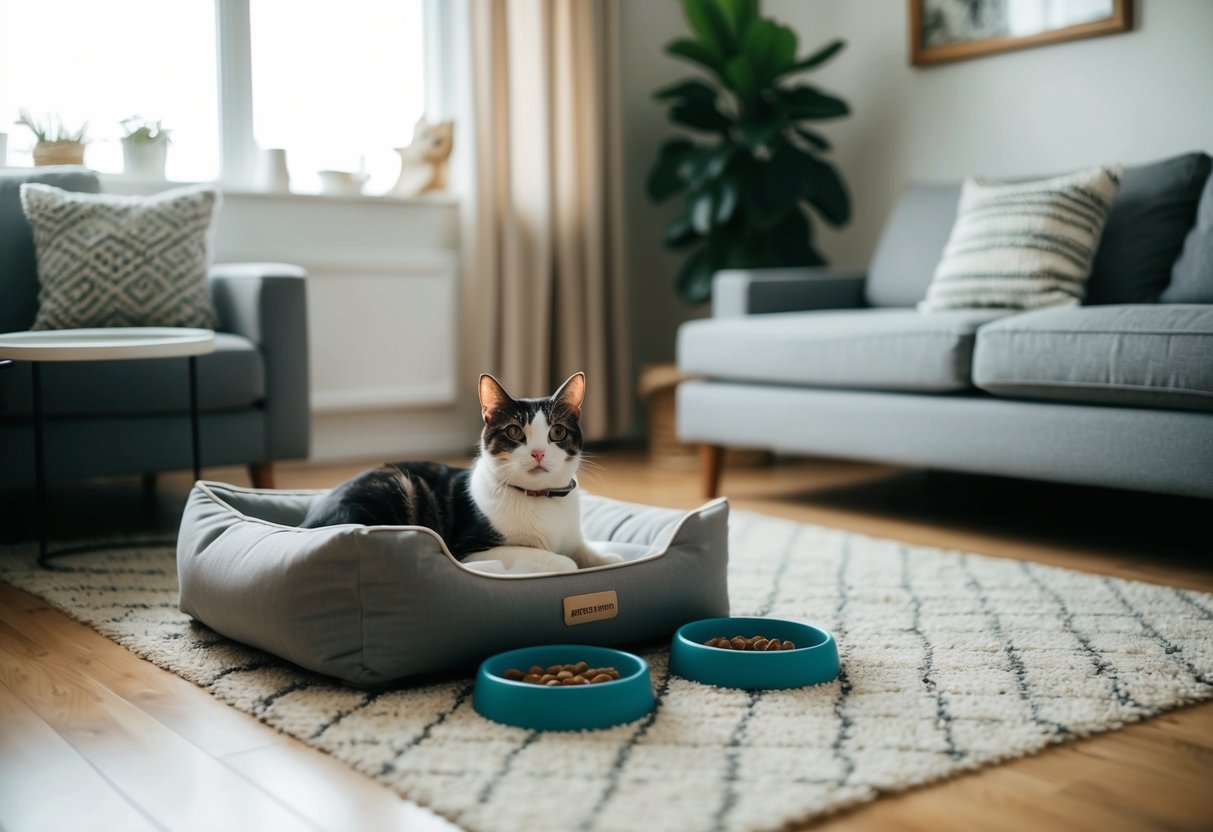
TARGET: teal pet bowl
(572,708)
(815,659)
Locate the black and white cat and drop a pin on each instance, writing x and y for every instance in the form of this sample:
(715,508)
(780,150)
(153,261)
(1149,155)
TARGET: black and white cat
(518,504)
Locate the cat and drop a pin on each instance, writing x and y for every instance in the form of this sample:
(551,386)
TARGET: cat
(423,162)
(518,504)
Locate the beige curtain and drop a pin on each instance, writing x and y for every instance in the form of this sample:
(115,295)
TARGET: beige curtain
(545,282)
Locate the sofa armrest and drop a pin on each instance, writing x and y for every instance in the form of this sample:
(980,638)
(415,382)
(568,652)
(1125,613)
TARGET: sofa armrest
(738,292)
(266,303)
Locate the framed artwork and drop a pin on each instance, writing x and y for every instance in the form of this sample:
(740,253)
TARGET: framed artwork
(955,30)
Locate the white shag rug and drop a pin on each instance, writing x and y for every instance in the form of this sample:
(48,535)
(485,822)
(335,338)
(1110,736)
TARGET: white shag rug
(951,661)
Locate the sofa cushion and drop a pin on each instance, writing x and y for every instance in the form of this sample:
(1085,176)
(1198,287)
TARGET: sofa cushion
(1145,231)
(1138,355)
(911,245)
(873,349)
(230,378)
(18,267)
(1023,246)
(1192,275)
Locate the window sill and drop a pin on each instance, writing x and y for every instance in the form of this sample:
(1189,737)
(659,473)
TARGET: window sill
(117,183)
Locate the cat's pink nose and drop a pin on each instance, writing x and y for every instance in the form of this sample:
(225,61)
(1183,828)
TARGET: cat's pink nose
(538,455)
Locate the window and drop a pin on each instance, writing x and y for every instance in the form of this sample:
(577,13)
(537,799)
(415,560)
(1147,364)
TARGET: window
(338,84)
(102,62)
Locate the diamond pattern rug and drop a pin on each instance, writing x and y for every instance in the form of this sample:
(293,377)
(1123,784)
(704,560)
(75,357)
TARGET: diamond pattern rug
(951,661)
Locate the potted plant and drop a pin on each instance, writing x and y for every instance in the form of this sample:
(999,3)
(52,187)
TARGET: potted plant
(144,147)
(755,165)
(56,144)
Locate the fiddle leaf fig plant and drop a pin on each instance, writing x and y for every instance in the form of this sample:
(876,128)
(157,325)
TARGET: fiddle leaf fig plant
(754,165)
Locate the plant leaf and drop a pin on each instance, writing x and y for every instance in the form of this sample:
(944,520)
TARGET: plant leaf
(739,76)
(814,138)
(792,241)
(679,233)
(774,187)
(727,196)
(824,190)
(714,205)
(665,178)
(809,103)
(740,13)
(819,57)
(709,23)
(762,132)
(699,114)
(694,281)
(702,206)
(770,48)
(693,89)
(695,52)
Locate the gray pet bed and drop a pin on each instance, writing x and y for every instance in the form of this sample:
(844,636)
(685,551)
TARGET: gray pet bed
(374,604)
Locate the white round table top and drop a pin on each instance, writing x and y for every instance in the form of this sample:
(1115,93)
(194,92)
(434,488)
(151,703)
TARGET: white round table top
(106,344)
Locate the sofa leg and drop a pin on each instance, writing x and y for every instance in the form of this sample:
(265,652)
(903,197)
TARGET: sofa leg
(711,461)
(262,474)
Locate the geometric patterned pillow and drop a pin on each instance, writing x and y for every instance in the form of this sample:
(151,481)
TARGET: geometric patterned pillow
(1023,246)
(107,260)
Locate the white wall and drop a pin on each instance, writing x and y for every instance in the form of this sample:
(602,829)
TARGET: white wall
(1125,98)
(382,291)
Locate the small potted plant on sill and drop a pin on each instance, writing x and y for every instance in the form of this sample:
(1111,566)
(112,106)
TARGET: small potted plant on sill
(56,144)
(144,147)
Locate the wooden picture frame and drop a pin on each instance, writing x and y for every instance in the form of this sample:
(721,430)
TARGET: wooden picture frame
(958,46)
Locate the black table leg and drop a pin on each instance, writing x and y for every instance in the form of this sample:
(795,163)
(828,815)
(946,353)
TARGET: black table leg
(45,558)
(194,416)
(39,461)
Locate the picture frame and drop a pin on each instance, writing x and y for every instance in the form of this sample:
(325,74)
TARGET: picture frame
(943,31)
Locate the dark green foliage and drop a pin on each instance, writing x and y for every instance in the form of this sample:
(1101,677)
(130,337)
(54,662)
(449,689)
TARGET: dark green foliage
(749,182)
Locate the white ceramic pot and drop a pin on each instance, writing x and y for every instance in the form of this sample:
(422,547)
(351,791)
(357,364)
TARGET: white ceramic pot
(274,176)
(144,159)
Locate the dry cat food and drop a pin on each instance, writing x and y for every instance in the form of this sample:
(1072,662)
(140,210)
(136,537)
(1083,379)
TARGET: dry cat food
(563,675)
(749,643)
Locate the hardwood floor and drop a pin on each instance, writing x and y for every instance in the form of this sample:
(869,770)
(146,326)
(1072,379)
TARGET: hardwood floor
(92,737)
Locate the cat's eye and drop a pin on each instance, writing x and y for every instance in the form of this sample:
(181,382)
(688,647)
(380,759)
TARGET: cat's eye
(514,432)
(557,433)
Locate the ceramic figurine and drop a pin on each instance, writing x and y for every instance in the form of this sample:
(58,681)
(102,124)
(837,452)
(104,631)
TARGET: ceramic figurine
(423,162)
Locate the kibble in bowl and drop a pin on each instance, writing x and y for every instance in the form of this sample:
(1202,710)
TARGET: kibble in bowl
(537,687)
(754,653)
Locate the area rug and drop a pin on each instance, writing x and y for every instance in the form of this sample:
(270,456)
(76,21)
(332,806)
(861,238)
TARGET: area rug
(951,661)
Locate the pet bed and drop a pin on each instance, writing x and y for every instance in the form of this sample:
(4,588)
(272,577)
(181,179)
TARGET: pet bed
(372,604)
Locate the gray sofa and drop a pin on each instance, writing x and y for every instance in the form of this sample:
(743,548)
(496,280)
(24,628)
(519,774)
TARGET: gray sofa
(1118,392)
(132,417)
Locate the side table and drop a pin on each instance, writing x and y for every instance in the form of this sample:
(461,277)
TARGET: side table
(109,344)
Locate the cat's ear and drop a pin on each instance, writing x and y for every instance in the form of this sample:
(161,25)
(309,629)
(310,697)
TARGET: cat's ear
(572,393)
(492,397)
(421,124)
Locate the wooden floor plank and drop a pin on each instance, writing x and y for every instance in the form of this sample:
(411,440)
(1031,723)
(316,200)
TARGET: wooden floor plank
(170,780)
(166,697)
(330,793)
(40,773)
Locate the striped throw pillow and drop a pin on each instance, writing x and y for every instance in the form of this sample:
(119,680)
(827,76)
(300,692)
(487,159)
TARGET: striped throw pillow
(1023,246)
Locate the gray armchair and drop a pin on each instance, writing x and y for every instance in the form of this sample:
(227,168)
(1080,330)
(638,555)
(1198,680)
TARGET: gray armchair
(132,417)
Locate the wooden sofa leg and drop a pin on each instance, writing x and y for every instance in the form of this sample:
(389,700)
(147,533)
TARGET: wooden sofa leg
(262,474)
(711,461)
